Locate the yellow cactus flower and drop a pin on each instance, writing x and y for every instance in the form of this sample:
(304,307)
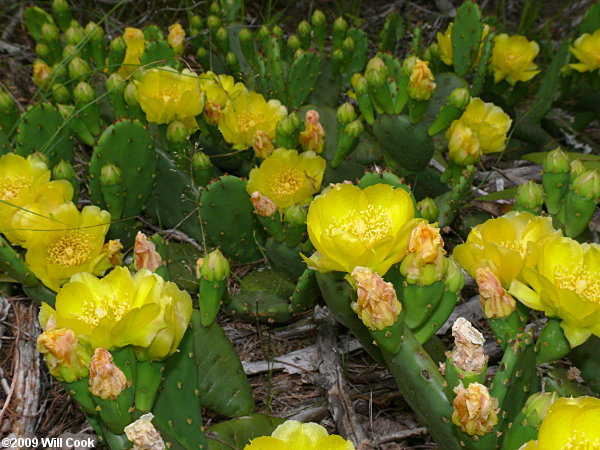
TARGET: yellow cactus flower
(245,115)
(503,244)
(512,58)
(445,43)
(72,242)
(41,72)
(166,95)
(67,358)
(463,145)
(571,423)
(565,283)
(219,90)
(176,38)
(586,49)
(26,189)
(134,40)
(351,227)
(106,379)
(474,410)
(123,309)
(421,84)
(287,178)
(487,122)
(300,436)
(377,304)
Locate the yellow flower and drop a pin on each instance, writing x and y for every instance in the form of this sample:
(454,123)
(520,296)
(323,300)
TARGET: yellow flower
(475,411)
(134,40)
(25,186)
(66,357)
(421,84)
(176,38)
(245,115)
(219,90)
(512,58)
(166,95)
(587,50)
(352,227)
(72,242)
(123,309)
(377,304)
(485,121)
(463,145)
(571,423)
(445,43)
(565,283)
(287,178)
(294,435)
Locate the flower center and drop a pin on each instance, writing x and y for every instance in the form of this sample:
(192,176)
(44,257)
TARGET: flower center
(94,311)
(10,188)
(579,442)
(518,246)
(167,94)
(287,182)
(72,249)
(370,224)
(579,280)
(248,120)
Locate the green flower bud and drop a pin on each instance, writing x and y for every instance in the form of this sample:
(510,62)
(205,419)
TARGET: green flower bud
(537,406)
(95,32)
(557,161)
(263,32)
(295,119)
(79,69)
(340,24)
(60,93)
(177,132)
(293,42)
(42,50)
(201,161)
(6,101)
(428,209)
(215,267)
(432,51)
(60,6)
(59,72)
(115,83)
(74,35)
(63,171)
(530,196)
(286,126)
(232,61)
(459,98)
(454,279)
(587,185)
(361,86)
(318,18)
(41,73)
(245,35)
(110,175)
(213,22)
(222,38)
(377,72)
(50,32)
(346,113)
(304,29)
(277,31)
(348,45)
(298,53)
(197,24)
(70,51)
(215,8)
(66,357)
(118,45)
(295,215)
(408,65)
(338,55)
(577,168)
(354,129)
(84,93)
(202,55)
(39,156)
(130,94)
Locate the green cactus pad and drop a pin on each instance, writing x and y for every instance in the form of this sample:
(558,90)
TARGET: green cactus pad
(181,265)
(302,78)
(356,61)
(305,293)
(445,84)
(259,305)
(409,145)
(42,129)
(35,18)
(327,87)
(222,384)
(237,433)
(228,219)
(466,37)
(158,53)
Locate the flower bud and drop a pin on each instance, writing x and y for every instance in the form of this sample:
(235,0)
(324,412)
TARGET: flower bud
(6,101)
(222,38)
(63,170)
(537,407)
(130,94)
(421,84)
(213,22)
(176,38)
(468,347)
(587,185)
(577,168)
(496,303)
(318,18)
(146,256)
(214,8)
(277,31)
(377,304)
(295,119)
(95,32)
(293,43)
(70,51)
(177,132)
(459,98)
(263,32)
(262,144)
(288,125)
(432,52)
(346,114)
(67,359)
(201,161)
(84,93)
(50,32)
(313,136)
(74,35)
(298,53)
(340,25)
(355,129)
(106,379)
(557,161)
(530,196)
(263,205)
(475,411)
(376,73)
(348,45)
(245,35)
(215,266)
(428,209)
(41,157)
(110,175)
(113,251)
(232,62)
(360,85)
(295,215)
(338,56)
(79,69)
(60,73)
(41,72)
(117,45)
(454,280)
(463,145)
(143,434)
(115,83)
(304,29)
(42,50)
(60,93)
